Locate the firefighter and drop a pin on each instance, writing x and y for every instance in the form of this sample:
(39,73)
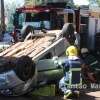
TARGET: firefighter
(73,62)
(91,63)
(68,33)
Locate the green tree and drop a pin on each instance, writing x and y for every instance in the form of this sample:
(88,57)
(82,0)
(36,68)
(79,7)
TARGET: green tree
(98,1)
(2,16)
(70,3)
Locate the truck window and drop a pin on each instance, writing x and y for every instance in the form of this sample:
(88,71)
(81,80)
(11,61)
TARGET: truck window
(65,16)
(39,20)
(60,20)
(21,18)
(15,19)
(84,30)
(84,25)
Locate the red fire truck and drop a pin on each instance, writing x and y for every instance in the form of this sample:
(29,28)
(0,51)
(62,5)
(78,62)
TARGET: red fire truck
(49,17)
(37,18)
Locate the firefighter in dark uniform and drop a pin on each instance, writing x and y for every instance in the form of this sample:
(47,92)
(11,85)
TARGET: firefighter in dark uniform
(72,64)
(91,63)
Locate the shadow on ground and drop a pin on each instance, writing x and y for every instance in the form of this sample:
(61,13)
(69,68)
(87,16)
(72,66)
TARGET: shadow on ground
(84,96)
(31,98)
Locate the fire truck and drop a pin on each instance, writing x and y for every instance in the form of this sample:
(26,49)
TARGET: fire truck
(35,18)
(27,19)
(21,69)
(41,49)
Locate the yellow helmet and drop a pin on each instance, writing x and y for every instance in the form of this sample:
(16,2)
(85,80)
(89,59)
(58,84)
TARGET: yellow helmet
(71,51)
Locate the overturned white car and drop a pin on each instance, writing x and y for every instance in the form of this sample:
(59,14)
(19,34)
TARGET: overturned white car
(20,76)
(28,65)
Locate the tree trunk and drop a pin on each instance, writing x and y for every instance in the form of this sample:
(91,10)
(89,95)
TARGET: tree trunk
(2,16)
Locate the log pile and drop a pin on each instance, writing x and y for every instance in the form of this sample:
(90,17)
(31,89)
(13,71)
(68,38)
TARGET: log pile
(30,47)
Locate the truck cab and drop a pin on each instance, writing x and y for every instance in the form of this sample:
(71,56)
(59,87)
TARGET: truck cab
(35,18)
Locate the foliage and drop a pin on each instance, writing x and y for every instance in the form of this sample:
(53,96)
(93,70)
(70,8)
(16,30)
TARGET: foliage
(98,1)
(94,2)
(9,11)
(70,3)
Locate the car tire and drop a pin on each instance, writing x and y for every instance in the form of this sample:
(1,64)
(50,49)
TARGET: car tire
(68,32)
(26,30)
(25,68)
(27,72)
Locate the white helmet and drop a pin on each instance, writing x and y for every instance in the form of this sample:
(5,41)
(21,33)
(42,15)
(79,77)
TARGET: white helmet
(84,50)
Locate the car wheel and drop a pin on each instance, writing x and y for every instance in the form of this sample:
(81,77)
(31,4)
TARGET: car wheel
(68,32)
(26,71)
(25,68)
(26,30)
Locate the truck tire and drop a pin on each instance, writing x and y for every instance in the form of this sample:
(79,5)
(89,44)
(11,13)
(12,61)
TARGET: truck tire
(25,68)
(68,32)
(26,30)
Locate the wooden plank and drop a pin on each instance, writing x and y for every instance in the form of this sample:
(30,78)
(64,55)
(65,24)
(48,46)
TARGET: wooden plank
(46,34)
(47,38)
(29,50)
(29,47)
(10,49)
(24,52)
(43,43)
(39,49)
(23,45)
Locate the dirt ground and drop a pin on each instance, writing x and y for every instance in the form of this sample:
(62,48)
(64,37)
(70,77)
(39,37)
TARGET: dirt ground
(95,95)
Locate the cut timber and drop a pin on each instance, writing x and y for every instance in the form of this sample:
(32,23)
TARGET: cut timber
(42,35)
(38,43)
(24,52)
(28,50)
(52,46)
(36,51)
(29,47)
(18,49)
(10,49)
(39,49)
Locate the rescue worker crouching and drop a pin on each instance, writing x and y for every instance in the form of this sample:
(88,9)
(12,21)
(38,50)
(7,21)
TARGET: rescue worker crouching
(91,63)
(71,65)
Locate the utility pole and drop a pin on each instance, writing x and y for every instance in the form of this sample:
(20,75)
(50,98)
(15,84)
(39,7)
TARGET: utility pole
(2,29)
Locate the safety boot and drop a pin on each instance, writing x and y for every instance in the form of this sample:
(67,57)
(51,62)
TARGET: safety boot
(67,95)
